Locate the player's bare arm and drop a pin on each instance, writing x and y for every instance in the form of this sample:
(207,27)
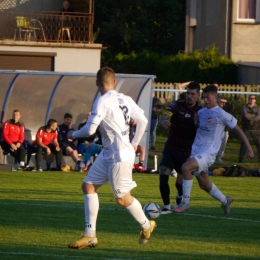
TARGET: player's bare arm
(183,85)
(135,147)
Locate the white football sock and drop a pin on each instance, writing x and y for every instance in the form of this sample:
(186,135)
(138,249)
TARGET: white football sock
(21,164)
(167,206)
(135,209)
(91,206)
(186,186)
(217,194)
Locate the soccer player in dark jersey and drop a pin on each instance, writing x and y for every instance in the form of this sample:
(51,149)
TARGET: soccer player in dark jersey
(67,145)
(181,119)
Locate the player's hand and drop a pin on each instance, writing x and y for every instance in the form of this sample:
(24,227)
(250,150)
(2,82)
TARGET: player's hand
(18,145)
(69,134)
(48,151)
(166,124)
(57,148)
(135,147)
(13,146)
(250,155)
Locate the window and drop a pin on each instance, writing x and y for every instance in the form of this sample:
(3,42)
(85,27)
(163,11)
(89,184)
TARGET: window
(15,60)
(248,11)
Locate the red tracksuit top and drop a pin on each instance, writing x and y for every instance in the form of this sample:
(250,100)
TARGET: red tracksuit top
(13,132)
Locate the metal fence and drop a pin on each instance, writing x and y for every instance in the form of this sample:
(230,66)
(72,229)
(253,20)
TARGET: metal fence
(46,26)
(168,92)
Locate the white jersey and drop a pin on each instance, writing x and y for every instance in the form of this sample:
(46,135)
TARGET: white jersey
(112,111)
(211,125)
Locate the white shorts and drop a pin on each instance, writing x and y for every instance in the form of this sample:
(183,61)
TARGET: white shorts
(119,175)
(204,161)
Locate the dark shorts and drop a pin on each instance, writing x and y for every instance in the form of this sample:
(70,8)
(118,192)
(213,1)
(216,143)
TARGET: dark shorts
(65,145)
(173,160)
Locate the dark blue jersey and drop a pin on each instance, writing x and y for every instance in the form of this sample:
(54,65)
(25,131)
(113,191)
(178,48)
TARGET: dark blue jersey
(62,132)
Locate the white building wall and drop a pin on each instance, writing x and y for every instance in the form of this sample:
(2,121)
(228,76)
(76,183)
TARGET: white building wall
(68,59)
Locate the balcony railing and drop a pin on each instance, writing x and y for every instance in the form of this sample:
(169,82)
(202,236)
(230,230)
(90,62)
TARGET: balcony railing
(46,26)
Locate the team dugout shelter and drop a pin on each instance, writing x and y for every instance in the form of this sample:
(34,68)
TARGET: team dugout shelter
(41,96)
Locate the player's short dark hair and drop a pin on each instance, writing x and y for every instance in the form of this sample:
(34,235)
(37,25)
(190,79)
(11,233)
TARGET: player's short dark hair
(210,89)
(194,85)
(16,110)
(105,76)
(51,122)
(67,115)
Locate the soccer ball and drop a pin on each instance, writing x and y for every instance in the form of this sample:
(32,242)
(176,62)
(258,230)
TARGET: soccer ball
(152,210)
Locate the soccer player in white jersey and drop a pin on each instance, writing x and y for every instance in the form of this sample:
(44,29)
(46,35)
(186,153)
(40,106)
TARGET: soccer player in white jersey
(112,111)
(212,121)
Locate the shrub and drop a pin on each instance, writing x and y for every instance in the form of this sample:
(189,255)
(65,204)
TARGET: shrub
(204,67)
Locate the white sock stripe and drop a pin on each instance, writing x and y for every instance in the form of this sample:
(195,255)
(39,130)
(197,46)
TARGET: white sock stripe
(90,195)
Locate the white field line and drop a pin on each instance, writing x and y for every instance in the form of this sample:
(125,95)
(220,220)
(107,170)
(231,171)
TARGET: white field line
(228,218)
(106,208)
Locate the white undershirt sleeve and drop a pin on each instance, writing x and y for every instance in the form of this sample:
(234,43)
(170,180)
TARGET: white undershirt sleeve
(86,130)
(141,123)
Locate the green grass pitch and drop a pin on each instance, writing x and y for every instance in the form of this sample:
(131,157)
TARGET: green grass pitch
(40,213)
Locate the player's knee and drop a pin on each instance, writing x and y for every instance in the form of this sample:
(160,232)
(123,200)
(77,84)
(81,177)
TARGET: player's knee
(185,167)
(163,170)
(122,202)
(68,151)
(89,188)
(125,201)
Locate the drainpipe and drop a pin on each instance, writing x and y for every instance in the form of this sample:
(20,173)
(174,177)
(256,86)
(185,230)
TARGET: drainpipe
(228,27)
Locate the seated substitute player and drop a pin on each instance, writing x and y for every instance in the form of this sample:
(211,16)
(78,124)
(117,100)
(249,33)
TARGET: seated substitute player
(89,145)
(180,120)
(89,149)
(112,111)
(67,144)
(46,143)
(96,137)
(212,121)
(13,138)
(140,149)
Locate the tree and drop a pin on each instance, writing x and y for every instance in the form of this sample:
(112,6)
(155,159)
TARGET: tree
(134,26)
